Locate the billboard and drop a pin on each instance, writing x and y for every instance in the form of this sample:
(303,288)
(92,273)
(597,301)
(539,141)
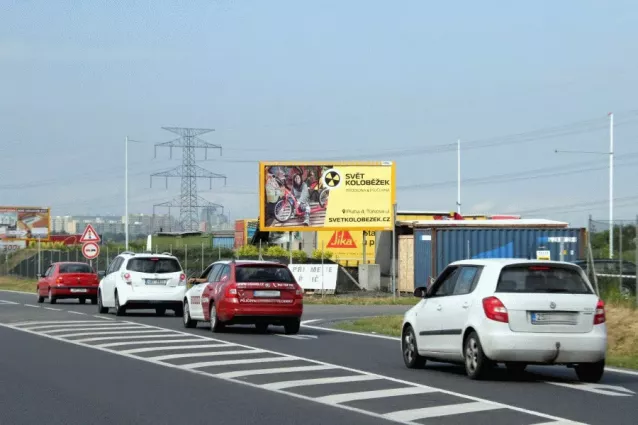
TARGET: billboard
(25,223)
(316,196)
(347,246)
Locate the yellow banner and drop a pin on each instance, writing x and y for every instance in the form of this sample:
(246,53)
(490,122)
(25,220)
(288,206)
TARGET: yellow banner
(315,196)
(347,246)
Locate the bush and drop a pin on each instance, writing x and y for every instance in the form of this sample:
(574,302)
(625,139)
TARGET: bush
(276,251)
(327,255)
(299,256)
(247,251)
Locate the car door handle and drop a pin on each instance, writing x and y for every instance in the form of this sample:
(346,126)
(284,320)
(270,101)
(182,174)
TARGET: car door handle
(466,305)
(438,307)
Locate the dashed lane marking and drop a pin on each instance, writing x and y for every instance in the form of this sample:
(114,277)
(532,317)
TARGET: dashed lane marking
(31,305)
(2,302)
(302,374)
(52,309)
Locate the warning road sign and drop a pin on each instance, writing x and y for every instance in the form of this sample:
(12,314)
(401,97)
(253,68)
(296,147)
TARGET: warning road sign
(90,250)
(89,235)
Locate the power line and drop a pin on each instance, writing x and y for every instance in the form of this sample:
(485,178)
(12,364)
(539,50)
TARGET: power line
(576,205)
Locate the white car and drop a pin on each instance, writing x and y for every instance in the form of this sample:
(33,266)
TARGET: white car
(512,311)
(142,281)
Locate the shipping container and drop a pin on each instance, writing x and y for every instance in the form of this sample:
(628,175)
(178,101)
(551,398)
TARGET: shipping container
(435,248)
(227,242)
(244,231)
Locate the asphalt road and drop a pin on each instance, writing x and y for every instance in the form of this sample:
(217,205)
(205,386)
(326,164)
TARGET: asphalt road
(344,368)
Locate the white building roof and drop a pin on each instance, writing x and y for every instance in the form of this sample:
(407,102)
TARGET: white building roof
(527,222)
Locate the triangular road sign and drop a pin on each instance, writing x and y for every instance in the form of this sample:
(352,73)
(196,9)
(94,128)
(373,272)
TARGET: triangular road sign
(89,235)
(341,239)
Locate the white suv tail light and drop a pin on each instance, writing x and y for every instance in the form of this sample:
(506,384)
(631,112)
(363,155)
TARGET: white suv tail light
(599,317)
(495,310)
(182,279)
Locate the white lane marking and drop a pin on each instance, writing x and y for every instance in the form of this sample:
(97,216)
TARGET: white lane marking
(73,326)
(31,305)
(206,354)
(321,328)
(111,338)
(611,390)
(394,338)
(241,373)
(8,302)
(367,395)
(161,341)
(304,322)
(103,317)
(437,411)
(52,309)
(318,381)
(232,362)
(171,347)
(53,322)
(147,331)
(559,423)
(302,337)
(75,312)
(291,358)
(101,328)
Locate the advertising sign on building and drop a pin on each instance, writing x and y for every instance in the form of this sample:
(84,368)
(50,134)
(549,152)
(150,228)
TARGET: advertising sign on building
(315,196)
(25,223)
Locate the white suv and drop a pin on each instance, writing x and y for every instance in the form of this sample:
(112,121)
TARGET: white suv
(517,312)
(142,281)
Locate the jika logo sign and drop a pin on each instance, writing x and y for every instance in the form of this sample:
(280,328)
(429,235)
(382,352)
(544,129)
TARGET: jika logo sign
(341,239)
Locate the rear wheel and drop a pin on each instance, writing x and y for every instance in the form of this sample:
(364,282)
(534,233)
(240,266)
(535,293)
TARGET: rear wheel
(100,308)
(82,300)
(160,311)
(410,350)
(262,328)
(188,322)
(476,362)
(292,327)
(52,299)
(40,297)
(590,372)
(93,301)
(216,325)
(179,311)
(120,310)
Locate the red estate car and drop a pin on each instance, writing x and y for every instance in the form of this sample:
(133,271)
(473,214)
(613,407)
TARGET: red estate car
(262,293)
(68,280)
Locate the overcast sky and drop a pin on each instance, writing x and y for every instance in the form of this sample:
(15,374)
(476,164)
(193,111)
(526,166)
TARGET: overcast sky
(311,80)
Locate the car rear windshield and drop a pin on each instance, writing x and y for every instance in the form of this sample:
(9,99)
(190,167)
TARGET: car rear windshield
(246,274)
(154,265)
(75,268)
(542,279)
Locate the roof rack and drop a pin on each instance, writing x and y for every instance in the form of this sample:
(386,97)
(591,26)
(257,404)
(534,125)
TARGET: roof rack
(127,252)
(167,253)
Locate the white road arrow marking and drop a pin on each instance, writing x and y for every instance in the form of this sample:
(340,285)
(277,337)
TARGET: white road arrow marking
(303,337)
(610,390)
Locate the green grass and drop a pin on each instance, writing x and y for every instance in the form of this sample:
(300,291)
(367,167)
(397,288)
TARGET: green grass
(622,332)
(359,300)
(16,284)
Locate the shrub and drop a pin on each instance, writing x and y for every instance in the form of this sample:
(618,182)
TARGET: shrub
(327,255)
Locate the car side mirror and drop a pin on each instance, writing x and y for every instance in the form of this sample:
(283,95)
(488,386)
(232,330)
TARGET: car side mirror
(101,274)
(420,292)
(39,275)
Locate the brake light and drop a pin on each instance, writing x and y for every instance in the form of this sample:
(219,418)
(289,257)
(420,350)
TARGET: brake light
(495,310)
(539,268)
(299,292)
(599,317)
(59,280)
(127,278)
(182,279)
(231,290)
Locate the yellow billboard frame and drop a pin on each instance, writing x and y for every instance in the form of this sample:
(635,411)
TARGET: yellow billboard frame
(262,193)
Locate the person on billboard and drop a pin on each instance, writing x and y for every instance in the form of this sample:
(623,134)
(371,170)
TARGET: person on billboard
(300,192)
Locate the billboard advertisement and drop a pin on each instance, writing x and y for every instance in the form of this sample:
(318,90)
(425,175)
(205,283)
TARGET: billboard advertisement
(25,223)
(316,196)
(347,246)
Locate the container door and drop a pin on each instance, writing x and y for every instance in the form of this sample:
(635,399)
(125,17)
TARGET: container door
(422,258)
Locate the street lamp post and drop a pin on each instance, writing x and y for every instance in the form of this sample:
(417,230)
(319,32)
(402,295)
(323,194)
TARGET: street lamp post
(611,179)
(126,142)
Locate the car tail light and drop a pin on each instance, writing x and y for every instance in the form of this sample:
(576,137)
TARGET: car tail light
(182,279)
(127,278)
(599,317)
(495,310)
(299,292)
(59,280)
(231,291)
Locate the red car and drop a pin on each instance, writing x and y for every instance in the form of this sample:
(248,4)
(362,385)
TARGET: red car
(68,280)
(262,293)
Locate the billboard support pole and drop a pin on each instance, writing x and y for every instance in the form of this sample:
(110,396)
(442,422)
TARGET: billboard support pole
(322,284)
(290,245)
(39,259)
(364,243)
(394,250)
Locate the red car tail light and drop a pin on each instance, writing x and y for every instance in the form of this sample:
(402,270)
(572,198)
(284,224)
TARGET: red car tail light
(231,291)
(599,317)
(495,310)
(127,278)
(59,280)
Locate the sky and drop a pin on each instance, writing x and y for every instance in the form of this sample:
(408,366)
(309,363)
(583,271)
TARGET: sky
(312,80)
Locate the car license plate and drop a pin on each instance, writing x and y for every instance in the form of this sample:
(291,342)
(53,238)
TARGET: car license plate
(266,294)
(78,290)
(155,282)
(553,318)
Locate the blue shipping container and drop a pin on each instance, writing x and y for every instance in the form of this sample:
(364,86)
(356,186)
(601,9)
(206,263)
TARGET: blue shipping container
(434,249)
(223,242)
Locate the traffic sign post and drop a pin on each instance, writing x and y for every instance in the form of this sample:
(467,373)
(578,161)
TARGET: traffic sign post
(90,235)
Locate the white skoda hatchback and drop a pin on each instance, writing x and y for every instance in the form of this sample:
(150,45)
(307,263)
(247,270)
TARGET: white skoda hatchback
(512,311)
(142,281)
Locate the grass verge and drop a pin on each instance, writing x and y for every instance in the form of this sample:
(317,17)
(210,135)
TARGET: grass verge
(358,300)
(622,332)
(15,284)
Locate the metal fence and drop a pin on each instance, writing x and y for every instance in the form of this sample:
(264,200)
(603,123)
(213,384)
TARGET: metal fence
(612,255)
